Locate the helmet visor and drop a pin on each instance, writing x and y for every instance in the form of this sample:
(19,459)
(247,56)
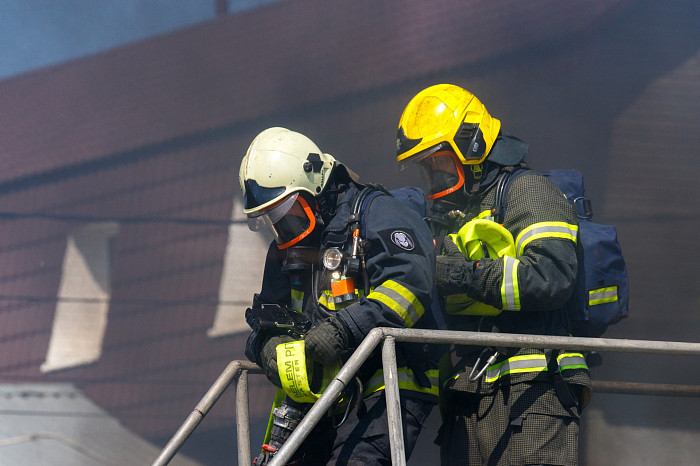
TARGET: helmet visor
(416,158)
(290,220)
(442,173)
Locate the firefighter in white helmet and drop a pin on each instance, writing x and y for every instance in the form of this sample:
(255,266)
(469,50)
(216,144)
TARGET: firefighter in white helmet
(348,258)
(499,271)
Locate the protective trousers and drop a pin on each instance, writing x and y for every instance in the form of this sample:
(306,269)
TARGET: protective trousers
(519,424)
(363,439)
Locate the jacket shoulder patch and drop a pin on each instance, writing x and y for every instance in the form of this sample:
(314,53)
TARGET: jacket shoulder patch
(400,240)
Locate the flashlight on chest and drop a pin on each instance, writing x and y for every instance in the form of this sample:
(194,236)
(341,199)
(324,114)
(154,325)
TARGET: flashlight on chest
(341,275)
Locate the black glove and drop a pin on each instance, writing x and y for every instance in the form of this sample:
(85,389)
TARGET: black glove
(453,272)
(326,342)
(268,358)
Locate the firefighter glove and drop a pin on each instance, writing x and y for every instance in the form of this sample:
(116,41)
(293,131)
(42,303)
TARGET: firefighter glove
(326,342)
(268,358)
(453,272)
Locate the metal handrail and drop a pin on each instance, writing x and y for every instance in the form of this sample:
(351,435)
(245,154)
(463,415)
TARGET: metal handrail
(372,339)
(389,336)
(235,370)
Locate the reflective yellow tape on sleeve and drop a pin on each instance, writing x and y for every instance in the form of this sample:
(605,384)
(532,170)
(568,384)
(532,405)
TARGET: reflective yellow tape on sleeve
(297,300)
(545,230)
(510,293)
(602,295)
(399,299)
(326,299)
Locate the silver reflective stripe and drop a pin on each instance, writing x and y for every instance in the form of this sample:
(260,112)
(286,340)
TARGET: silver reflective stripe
(567,360)
(603,295)
(558,230)
(509,290)
(297,300)
(402,302)
(326,299)
(529,363)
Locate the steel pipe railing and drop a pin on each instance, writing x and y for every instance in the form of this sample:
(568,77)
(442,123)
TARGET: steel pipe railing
(648,389)
(232,371)
(389,336)
(465,338)
(393,402)
(242,416)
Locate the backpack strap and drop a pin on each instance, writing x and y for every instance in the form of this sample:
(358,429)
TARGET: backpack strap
(357,228)
(361,204)
(507,175)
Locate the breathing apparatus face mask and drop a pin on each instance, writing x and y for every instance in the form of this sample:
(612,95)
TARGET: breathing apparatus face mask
(291,220)
(442,173)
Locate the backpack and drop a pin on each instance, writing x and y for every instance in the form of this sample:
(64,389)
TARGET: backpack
(601,294)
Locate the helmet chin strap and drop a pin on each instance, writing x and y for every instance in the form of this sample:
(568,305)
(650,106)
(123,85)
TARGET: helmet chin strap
(478,180)
(473,177)
(474,190)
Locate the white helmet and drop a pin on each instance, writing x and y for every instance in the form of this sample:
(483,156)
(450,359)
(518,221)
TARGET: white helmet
(279,165)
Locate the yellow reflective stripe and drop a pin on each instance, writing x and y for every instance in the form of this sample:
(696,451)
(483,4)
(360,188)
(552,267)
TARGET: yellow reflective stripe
(602,295)
(326,299)
(533,363)
(407,381)
(515,365)
(571,361)
(510,292)
(297,300)
(399,299)
(545,230)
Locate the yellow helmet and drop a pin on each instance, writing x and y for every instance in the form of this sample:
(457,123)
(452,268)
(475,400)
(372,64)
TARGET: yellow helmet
(445,117)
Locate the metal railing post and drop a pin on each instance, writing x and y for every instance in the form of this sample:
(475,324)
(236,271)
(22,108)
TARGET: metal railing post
(393,402)
(213,394)
(243,419)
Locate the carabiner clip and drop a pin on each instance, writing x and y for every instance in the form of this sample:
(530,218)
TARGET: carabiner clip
(488,363)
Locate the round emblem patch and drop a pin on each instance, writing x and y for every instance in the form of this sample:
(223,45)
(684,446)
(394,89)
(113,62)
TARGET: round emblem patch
(402,240)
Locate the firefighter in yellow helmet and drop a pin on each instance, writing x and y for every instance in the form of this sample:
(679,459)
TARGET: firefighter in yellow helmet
(500,405)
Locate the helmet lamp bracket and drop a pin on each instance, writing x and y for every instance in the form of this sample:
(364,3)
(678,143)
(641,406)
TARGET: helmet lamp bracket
(313,163)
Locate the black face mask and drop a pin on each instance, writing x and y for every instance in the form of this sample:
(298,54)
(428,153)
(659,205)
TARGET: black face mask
(303,255)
